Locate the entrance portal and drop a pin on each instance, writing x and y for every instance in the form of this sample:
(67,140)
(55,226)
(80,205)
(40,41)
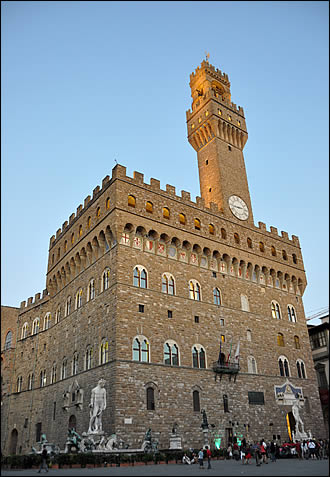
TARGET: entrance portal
(13,441)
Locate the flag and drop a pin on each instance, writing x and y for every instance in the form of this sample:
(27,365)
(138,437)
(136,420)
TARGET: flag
(237,352)
(231,344)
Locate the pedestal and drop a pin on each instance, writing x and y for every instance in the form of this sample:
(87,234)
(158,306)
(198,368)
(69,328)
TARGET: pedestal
(206,437)
(175,442)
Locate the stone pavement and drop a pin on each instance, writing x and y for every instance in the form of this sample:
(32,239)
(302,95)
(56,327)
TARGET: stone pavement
(282,467)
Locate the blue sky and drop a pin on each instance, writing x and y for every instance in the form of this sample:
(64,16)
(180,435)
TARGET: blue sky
(85,83)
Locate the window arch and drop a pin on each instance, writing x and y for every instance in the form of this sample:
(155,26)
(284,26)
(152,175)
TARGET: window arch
(68,306)
(294,258)
(89,357)
(140,277)
(78,301)
(252,365)
(24,331)
(47,321)
(276,310)
(168,284)
(98,212)
(91,290)
(131,201)
(106,279)
(261,247)
(194,290)
(245,303)
(211,229)
(284,255)
(273,250)
(43,378)
(72,239)
(35,326)
(216,296)
(171,353)
(53,374)
(236,238)
(249,335)
(182,219)
(141,349)
(64,368)
(197,223)
(223,234)
(104,351)
(225,403)
(196,401)
(166,213)
(89,222)
(249,242)
(19,384)
(301,369)
(30,381)
(107,203)
(65,247)
(198,356)
(280,339)
(58,315)
(296,342)
(75,364)
(149,206)
(150,398)
(291,314)
(80,230)
(8,340)
(284,366)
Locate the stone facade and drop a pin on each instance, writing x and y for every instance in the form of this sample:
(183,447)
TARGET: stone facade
(92,259)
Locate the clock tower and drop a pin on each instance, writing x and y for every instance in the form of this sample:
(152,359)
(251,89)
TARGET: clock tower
(217,131)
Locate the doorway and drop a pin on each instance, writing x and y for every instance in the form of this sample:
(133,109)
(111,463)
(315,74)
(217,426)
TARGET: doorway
(13,442)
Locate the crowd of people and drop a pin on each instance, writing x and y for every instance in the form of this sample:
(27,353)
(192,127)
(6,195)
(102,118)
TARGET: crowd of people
(264,452)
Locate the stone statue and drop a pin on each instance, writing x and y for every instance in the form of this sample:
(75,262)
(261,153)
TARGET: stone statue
(97,404)
(295,411)
(73,440)
(205,424)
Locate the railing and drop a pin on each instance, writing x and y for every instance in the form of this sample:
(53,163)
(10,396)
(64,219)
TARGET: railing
(229,367)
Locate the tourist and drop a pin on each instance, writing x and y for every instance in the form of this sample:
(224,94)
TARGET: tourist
(248,454)
(43,464)
(186,460)
(201,459)
(229,451)
(298,449)
(208,455)
(272,452)
(311,449)
(263,450)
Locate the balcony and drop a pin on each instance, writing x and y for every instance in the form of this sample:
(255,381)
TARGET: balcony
(231,368)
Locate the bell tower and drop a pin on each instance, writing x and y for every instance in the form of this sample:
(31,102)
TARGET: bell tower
(217,131)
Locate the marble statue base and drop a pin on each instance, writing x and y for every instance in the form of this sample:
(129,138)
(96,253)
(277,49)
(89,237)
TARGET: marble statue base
(175,442)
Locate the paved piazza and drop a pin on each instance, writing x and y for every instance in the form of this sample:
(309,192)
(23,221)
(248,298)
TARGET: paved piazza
(280,467)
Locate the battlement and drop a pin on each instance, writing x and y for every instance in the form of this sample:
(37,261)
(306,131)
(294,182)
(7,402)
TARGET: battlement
(210,94)
(38,299)
(210,69)
(119,172)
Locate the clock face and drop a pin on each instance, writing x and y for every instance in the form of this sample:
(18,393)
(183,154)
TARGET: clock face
(238,207)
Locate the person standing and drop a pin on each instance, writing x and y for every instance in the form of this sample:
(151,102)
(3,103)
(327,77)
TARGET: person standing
(43,464)
(272,452)
(208,455)
(201,459)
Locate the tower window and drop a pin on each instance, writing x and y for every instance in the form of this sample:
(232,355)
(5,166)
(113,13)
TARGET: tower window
(206,162)
(131,201)
(166,213)
(261,247)
(149,207)
(141,308)
(98,212)
(229,118)
(236,237)
(239,123)
(284,255)
(182,219)
(294,258)
(197,224)
(211,228)
(196,319)
(223,234)
(249,242)
(210,189)
(273,251)
(107,203)
(229,148)
(80,231)
(169,314)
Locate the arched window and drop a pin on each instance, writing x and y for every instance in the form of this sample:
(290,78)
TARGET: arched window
(291,314)
(107,203)
(104,351)
(53,374)
(43,378)
(72,239)
(171,354)
(198,357)
(236,238)
(53,259)
(75,364)
(35,326)
(211,229)
(89,222)
(284,255)
(216,296)
(225,403)
(245,303)
(284,366)
(197,223)
(106,279)
(294,258)
(30,382)
(141,349)
(194,290)
(65,247)
(276,311)
(261,247)
(80,231)
(68,306)
(24,332)
(252,365)
(223,234)
(140,277)
(196,401)
(19,384)
(149,207)
(166,213)
(64,368)
(150,399)
(131,201)
(273,249)
(249,242)
(78,299)
(248,335)
(182,219)
(168,285)
(296,342)
(301,369)
(91,290)
(47,321)
(280,339)
(98,212)
(8,340)
(58,315)
(89,357)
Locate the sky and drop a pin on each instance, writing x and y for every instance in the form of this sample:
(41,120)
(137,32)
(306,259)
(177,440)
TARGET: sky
(86,84)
